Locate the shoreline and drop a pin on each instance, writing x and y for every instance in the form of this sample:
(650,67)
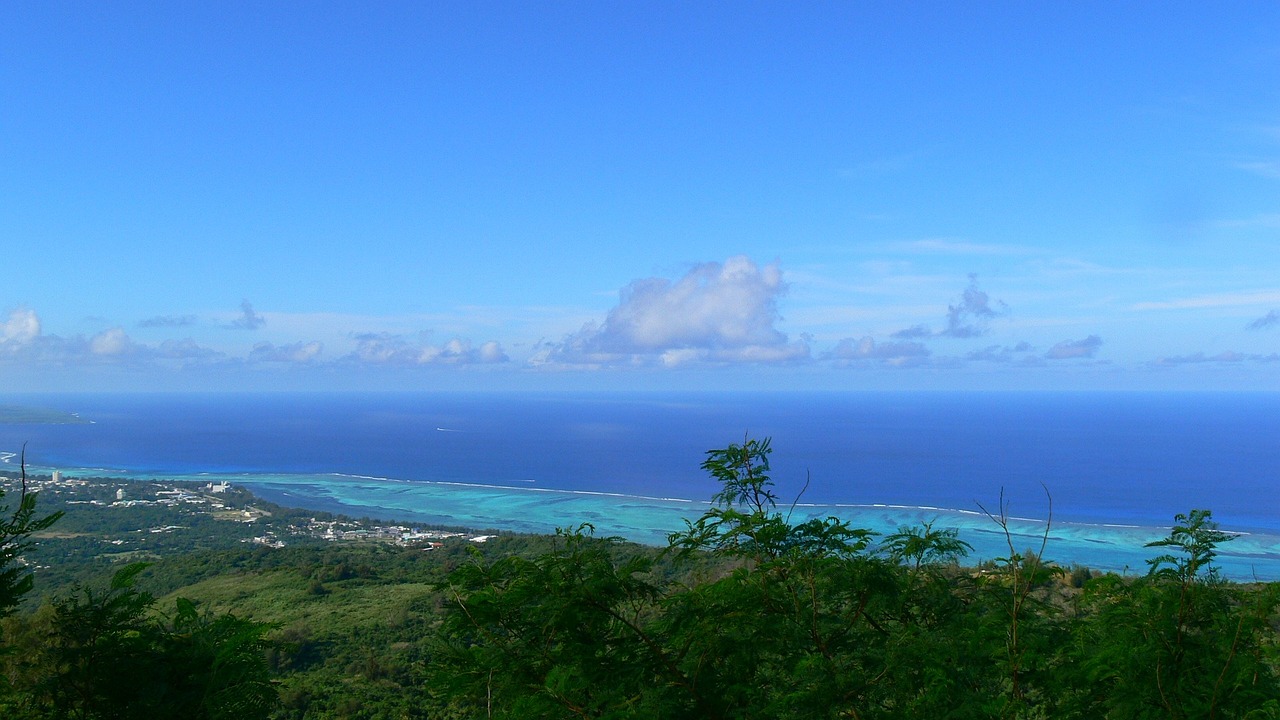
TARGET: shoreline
(1115,547)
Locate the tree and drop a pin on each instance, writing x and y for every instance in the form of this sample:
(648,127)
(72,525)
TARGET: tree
(1180,642)
(16,530)
(107,655)
(747,615)
(1196,537)
(744,524)
(562,634)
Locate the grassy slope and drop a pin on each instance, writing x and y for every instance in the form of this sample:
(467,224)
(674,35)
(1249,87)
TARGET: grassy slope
(350,648)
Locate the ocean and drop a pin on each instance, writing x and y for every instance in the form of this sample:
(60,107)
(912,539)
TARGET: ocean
(1110,470)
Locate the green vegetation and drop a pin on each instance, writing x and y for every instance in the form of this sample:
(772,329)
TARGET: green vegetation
(743,615)
(15,538)
(821,620)
(107,654)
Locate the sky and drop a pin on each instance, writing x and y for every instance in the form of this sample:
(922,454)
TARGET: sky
(656,195)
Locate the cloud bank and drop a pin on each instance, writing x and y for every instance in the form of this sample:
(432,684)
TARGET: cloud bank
(896,354)
(300,352)
(390,349)
(23,341)
(1227,357)
(1002,353)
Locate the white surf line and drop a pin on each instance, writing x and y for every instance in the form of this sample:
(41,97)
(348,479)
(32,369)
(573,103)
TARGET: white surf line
(266,478)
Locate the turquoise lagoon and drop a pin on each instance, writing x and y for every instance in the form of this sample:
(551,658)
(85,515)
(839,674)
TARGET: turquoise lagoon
(1118,465)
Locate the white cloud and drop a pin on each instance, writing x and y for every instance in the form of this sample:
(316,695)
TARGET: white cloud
(491,352)
(718,312)
(21,341)
(185,349)
(460,351)
(390,349)
(112,342)
(897,354)
(300,352)
(1069,349)
(383,348)
(1001,353)
(21,327)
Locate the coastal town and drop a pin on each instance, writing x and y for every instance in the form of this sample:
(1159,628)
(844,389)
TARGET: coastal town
(127,517)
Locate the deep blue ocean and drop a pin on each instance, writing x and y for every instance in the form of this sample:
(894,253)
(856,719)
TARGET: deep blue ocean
(1117,466)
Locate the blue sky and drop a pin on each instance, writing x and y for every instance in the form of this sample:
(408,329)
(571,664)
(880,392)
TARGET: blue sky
(639,195)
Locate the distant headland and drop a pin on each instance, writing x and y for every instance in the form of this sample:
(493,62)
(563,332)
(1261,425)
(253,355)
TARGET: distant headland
(23,415)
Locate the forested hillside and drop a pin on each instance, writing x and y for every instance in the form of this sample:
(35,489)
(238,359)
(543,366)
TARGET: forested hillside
(743,615)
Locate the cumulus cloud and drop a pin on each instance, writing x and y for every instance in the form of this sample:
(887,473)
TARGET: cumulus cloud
(168,321)
(1269,320)
(21,327)
(112,342)
(971,316)
(1068,349)
(717,312)
(248,320)
(897,354)
(385,349)
(21,341)
(300,352)
(390,349)
(460,351)
(187,350)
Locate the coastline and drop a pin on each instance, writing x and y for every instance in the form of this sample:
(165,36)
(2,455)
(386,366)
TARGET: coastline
(648,520)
